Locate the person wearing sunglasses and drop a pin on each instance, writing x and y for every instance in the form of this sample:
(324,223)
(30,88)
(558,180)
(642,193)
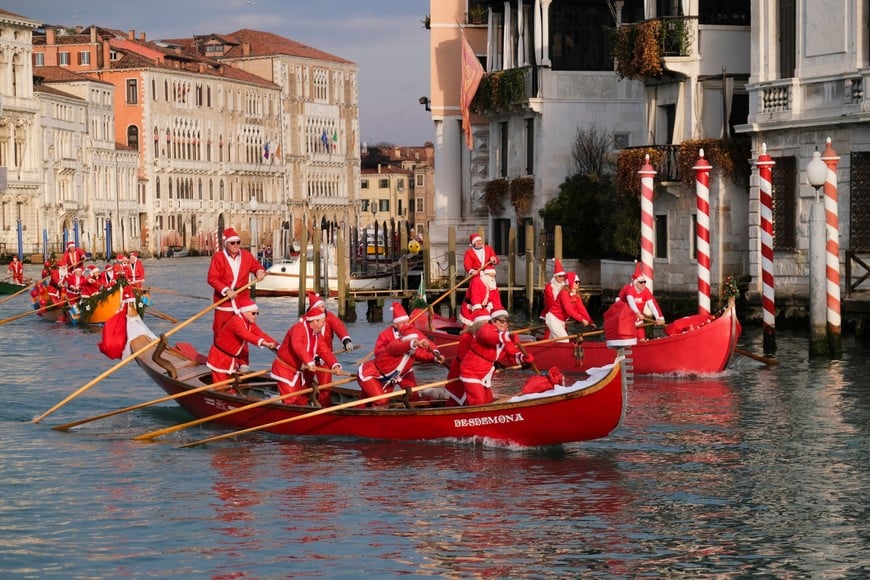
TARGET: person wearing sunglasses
(641,301)
(230,270)
(229,352)
(493,343)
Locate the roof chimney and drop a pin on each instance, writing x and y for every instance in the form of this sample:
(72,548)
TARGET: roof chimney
(49,36)
(246,49)
(131,34)
(93,34)
(142,36)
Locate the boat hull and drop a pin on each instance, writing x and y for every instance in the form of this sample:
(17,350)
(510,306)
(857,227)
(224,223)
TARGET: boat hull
(590,413)
(282,279)
(10,288)
(702,349)
(97,312)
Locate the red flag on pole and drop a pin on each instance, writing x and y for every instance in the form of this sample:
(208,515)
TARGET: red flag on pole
(472,73)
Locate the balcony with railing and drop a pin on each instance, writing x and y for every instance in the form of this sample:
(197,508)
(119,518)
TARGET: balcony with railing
(811,99)
(646,49)
(504,90)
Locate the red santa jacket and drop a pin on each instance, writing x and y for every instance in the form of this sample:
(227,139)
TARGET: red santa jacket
(569,305)
(301,346)
(550,291)
(225,273)
(73,259)
(638,300)
(474,259)
(395,353)
(230,342)
(490,346)
(479,296)
(16,270)
(135,272)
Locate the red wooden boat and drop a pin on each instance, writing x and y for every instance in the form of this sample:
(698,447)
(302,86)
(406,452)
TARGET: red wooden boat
(589,409)
(697,344)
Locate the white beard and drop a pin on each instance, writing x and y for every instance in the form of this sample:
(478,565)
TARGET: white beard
(489,282)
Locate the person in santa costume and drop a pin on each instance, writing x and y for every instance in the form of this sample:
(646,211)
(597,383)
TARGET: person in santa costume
(57,284)
(135,270)
(302,351)
(640,300)
(478,255)
(397,348)
(16,270)
(107,277)
(455,392)
(91,286)
(74,284)
(492,344)
(228,271)
(568,305)
(73,257)
(482,294)
(333,327)
(553,287)
(224,357)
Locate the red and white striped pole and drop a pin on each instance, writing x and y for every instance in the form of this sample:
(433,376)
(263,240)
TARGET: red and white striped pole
(646,221)
(832,252)
(765,171)
(702,189)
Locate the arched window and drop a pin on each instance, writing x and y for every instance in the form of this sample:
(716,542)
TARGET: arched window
(133,137)
(157,187)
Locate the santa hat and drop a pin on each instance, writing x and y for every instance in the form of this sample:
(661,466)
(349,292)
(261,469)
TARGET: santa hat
(314,299)
(558,270)
(638,272)
(555,376)
(249,308)
(134,254)
(77,269)
(127,295)
(473,238)
(68,244)
(230,235)
(315,313)
(500,313)
(572,279)
(399,313)
(119,257)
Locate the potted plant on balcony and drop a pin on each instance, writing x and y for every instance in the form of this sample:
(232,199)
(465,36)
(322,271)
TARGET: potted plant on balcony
(477,14)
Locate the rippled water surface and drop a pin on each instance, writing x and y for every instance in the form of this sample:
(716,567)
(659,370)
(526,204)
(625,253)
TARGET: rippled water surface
(757,471)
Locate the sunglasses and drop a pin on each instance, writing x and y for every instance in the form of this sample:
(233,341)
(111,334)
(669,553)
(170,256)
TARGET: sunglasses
(500,319)
(642,282)
(233,243)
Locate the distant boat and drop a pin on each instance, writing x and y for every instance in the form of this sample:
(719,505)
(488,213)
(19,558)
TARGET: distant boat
(282,278)
(177,252)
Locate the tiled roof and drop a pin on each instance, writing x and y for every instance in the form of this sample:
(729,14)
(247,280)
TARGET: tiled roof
(61,74)
(267,43)
(53,91)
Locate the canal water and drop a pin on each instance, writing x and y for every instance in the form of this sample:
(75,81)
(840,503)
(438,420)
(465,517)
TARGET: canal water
(755,471)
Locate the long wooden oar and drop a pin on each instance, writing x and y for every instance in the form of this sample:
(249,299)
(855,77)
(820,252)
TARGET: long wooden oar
(68,426)
(123,362)
(762,359)
(24,289)
(36,311)
(162,315)
(322,411)
(174,293)
(165,431)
